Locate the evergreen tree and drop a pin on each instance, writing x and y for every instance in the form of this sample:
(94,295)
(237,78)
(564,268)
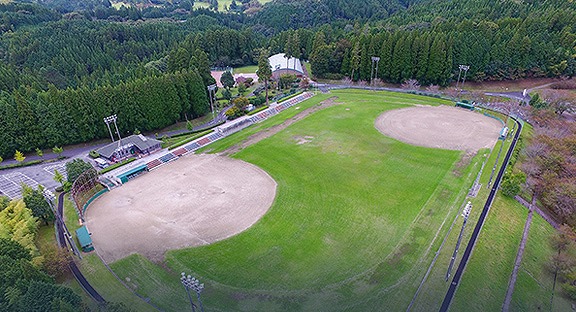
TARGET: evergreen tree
(355,59)
(264,71)
(227,80)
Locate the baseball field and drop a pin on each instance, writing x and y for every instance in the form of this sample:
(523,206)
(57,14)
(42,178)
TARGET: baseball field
(332,212)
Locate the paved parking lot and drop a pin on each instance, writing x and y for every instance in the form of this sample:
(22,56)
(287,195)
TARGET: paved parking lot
(11,184)
(60,167)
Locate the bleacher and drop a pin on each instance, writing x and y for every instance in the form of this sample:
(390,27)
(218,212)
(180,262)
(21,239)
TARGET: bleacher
(167,158)
(179,152)
(153,164)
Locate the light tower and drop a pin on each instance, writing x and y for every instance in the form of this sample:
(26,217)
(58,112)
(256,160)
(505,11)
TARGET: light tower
(461,68)
(375,60)
(465,215)
(112,119)
(190,282)
(211,95)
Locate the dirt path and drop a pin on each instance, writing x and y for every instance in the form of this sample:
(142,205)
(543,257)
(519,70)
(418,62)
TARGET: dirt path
(518,262)
(257,137)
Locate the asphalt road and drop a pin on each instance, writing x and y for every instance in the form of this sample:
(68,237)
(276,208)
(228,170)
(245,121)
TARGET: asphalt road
(468,252)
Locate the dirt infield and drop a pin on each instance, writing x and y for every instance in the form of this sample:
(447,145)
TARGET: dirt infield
(440,127)
(196,200)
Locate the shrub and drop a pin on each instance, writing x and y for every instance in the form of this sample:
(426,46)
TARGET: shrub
(190,139)
(511,183)
(258,110)
(93,154)
(22,164)
(117,165)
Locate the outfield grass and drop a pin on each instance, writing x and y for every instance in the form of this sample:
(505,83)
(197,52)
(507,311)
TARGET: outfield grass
(354,220)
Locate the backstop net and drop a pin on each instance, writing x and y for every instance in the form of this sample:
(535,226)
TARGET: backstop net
(84,188)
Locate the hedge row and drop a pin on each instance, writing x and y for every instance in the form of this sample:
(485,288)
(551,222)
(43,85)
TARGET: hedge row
(290,96)
(117,165)
(259,109)
(192,138)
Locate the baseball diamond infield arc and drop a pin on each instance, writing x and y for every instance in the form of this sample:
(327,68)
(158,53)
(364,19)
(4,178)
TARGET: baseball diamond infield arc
(440,127)
(197,200)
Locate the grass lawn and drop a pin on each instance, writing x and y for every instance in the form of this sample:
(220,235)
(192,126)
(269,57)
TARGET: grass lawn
(349,231)
(308,68)
(251,69)
(533,289)
(484,284)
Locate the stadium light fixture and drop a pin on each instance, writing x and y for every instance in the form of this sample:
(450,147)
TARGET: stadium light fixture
(190,282)
(212,94)
(375,60)
(461,68)
(465,215)
(109,120)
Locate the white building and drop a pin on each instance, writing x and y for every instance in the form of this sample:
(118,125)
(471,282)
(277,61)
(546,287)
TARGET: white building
(282,66)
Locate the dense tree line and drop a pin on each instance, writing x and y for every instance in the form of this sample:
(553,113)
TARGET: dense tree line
(43,119)
(58,66)
(510,48)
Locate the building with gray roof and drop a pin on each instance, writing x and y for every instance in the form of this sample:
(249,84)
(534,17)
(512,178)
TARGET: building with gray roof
(133,145)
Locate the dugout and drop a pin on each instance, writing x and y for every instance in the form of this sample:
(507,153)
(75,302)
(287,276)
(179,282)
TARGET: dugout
(465,105)
(124,177)
(84,239)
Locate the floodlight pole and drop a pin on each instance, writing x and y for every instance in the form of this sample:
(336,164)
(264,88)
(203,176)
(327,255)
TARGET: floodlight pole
(465,214)
(375,60)
(211,94)
(113,119)
(464,68)
(107,120)
(190,282)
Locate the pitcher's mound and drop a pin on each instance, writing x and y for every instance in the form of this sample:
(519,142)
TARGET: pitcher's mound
(440,127)
(196,200)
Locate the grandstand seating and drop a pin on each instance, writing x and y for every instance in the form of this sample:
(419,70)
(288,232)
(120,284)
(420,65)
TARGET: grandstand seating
(153,164)
(179,152)
(167,157)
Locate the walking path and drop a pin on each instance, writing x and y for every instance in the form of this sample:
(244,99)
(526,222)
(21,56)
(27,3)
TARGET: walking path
(543,214)
(518,262)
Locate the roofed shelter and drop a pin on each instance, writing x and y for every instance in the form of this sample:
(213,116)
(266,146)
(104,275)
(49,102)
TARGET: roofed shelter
(129,146)
(282,66)
(84,239)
